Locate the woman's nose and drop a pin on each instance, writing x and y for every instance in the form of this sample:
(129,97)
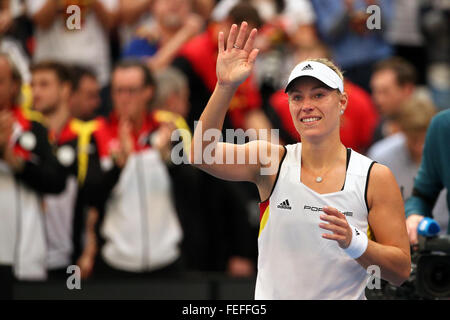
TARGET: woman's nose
(307,105)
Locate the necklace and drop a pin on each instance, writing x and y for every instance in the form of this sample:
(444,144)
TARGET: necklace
(319,178)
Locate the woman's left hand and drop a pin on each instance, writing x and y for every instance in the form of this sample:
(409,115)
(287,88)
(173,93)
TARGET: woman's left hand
(337,223)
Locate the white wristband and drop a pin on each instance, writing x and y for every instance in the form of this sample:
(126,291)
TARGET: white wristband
(358,244)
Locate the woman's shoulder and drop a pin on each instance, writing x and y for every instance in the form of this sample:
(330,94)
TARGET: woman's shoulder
(360,163)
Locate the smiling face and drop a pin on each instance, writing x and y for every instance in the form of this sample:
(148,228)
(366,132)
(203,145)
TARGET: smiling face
(315,108)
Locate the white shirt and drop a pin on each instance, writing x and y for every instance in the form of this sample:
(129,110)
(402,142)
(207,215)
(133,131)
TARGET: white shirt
(294,261)
(59,215)
(88,46)
(141,226)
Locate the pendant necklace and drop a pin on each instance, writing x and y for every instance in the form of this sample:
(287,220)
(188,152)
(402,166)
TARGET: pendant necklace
(319,179)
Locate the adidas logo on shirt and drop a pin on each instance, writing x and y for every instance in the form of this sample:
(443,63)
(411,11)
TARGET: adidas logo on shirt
(307,67)
(284,205)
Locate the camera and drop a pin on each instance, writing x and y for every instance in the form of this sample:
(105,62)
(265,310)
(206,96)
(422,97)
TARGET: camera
(433,267)
(430,273)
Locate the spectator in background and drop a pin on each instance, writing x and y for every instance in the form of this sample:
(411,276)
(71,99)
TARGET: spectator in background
(217,233)
(85,97)
(6,18)
(357,123)
(175,24)
(28,169)
(135,16)
(393,82)
(355,48)
(406,37)
(402,152)
(88,46)
(13,38)
(433,175)
(435,17)
(172,92)
(140,228)
(51,88)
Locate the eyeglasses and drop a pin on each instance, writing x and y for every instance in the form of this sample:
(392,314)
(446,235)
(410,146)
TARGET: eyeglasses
(125,90)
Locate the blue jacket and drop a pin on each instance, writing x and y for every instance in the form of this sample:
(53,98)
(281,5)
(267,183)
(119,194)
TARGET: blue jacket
(434,171)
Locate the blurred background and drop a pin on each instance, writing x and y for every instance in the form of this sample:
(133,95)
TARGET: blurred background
(93,89)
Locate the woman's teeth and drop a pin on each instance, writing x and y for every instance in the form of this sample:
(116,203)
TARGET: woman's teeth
(310,119)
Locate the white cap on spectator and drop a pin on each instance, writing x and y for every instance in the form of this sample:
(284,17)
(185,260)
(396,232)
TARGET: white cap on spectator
(316,70)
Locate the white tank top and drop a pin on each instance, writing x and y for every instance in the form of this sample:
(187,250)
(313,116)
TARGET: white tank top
(294,261)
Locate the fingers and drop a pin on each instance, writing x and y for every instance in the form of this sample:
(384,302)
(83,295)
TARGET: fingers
(232,37)
(252,56)
(333,236)
(221,42)
(337,223)
(412,223)
(251,40)
(334,228)
(240,40)
(413,238)
(334,216)
(333,211)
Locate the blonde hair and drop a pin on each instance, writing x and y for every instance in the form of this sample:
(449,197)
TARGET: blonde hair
(415,115)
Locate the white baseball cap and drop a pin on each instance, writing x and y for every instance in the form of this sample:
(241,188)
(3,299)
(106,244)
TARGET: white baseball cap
(316,70)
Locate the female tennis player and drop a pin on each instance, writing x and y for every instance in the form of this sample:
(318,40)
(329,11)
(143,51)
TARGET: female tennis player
(328,213)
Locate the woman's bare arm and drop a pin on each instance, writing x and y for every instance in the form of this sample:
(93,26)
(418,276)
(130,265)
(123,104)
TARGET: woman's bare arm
(234,65)
(390,251)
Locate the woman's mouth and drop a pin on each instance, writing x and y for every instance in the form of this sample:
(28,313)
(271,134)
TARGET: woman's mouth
(310,119)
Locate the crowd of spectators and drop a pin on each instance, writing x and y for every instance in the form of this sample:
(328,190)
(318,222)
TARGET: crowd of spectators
(87,116)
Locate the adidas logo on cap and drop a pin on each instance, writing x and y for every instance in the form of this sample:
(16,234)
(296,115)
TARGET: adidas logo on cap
(284,205)
(307,67)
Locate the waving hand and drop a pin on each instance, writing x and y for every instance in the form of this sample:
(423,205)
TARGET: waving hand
(235,62)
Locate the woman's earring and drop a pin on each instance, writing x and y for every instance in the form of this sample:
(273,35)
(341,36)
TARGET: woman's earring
(342,111)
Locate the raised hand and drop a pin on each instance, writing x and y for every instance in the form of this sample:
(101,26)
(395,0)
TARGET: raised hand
(235,62)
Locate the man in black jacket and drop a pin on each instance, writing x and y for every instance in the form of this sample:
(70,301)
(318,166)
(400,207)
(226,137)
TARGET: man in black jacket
(28,169)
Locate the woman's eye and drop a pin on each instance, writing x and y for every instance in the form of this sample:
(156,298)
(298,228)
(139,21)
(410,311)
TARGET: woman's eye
(318,95)
(297,98)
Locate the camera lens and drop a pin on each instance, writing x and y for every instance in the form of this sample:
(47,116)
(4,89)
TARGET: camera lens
(434,275)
